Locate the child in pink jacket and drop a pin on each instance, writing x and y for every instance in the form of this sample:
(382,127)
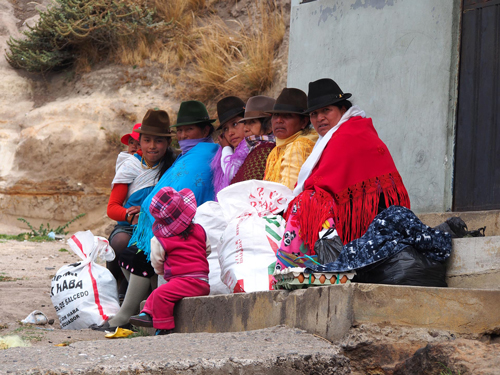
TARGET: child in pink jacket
(182,259)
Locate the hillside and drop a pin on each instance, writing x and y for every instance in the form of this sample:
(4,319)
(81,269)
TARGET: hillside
(59,132)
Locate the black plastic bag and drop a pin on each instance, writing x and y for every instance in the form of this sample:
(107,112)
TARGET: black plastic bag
(328,249)
(408,267)
(458,229)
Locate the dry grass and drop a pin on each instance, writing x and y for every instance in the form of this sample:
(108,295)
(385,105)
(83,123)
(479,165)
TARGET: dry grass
(198,49)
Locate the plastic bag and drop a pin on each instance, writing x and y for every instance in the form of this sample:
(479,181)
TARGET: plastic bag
(85,293)
(253,234)
(328,247)
(209,215)
(408,267)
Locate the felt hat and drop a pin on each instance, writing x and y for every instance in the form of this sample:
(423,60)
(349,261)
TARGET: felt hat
(324,92)
(290,101)
(192,112)
(229,107)
(155,122)
(134,135)
(173,211)
(258,107)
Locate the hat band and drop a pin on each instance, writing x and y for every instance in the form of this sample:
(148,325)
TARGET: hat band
(325,100)
(255,114)
(287,107)
(188,119)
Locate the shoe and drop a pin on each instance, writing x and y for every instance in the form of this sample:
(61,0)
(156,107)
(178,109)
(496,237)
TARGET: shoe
(161,332)
(141,320)
(106,327)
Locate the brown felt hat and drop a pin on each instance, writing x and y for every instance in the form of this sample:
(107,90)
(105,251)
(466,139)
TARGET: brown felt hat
(290,101)
(155,122)
(258,107)
(229,107)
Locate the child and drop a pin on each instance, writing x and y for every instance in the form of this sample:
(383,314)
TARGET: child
(181,258)
(132,140)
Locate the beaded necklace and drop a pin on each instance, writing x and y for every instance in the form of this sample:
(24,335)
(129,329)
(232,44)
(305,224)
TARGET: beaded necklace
(144,161)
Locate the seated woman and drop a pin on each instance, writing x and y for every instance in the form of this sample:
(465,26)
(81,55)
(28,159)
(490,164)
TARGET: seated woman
(258,138)
(134,179)
(349,177)
(233,151)
(193,129)
(294,139)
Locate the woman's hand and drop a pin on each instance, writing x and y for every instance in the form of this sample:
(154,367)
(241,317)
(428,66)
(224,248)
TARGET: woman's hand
(133,210)
(223,141)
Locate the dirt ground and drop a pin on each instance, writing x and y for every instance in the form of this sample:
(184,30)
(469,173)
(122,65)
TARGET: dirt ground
(26,270)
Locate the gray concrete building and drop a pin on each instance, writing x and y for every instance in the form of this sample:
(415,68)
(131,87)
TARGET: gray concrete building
(425,71)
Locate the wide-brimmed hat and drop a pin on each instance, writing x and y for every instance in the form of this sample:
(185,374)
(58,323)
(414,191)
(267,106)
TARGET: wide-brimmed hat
(229,107)
(324,92)
(173,211)
(192,112)
(134,135)
(290,101)
(155,122)
(258,107)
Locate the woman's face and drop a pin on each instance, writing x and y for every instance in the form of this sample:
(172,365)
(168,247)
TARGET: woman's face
(287,124)
(133,146)
(325,118)
(233,131)
(253,127)
(191,131)
(153,147)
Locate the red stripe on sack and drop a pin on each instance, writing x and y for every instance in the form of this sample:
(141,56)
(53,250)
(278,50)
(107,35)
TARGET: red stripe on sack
(96,294)
(79,244)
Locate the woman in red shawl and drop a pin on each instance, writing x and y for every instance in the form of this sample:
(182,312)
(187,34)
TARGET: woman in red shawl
(349,177)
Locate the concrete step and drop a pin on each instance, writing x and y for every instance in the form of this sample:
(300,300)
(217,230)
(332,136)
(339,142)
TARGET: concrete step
(473,219)
(474,263)
(331,311)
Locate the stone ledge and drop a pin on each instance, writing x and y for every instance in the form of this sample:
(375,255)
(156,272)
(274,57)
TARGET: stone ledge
(330,311)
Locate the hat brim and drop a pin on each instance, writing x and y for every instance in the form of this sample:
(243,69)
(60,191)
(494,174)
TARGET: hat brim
(147,132)
(229,115)
(327,103)
(284,111)
(209,122)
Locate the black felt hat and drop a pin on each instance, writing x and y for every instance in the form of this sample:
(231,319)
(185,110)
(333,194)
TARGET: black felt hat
(324,92)
(230,107)
(290,101)
(192,112)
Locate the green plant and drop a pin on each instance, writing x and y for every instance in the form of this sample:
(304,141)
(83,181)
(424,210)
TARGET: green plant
(63,250)
(139,332)
(73,30)
(43,231)
(447,370)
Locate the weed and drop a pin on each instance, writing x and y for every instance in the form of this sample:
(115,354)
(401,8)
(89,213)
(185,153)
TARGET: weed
(29,333)
(4,326)
(63,250)
(8,278)
(138,332)
(43,231)
(447,371)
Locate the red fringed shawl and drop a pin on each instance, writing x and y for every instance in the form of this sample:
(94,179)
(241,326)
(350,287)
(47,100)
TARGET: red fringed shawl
(355,168)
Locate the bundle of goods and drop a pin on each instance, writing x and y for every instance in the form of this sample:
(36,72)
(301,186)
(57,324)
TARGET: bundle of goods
(298,278)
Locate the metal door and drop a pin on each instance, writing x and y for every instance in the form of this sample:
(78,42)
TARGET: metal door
(477,154)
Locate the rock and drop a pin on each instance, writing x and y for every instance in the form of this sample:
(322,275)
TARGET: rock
(461,356)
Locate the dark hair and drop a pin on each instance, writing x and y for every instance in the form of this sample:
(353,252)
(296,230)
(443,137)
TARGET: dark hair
(166,162)
(186,232)
(203,125)
(265,125)
(343,103)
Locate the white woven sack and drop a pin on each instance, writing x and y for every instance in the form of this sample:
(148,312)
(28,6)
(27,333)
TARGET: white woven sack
(85,293)
(253,234)
(209,216)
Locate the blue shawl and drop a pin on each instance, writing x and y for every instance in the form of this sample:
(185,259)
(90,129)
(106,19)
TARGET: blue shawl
(190,171)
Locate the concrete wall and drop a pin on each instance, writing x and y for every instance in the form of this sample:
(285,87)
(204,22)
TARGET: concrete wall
(399,59)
